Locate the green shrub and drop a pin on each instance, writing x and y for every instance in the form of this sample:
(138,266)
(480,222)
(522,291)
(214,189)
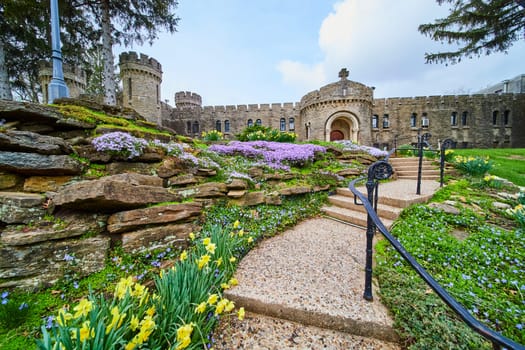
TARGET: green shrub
(473,166)
(264,133)
(213,135)
(406,150)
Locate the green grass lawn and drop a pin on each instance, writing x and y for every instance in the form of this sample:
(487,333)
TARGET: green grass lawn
(509,163)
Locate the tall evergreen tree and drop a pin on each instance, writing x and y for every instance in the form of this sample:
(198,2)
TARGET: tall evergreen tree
(127,22)
(25,41)
(477,27)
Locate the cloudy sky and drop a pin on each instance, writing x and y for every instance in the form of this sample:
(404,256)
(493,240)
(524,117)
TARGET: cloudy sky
(269,51)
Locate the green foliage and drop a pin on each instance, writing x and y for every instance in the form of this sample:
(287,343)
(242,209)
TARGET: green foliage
(12,313)
(482,272)
(212,135)
(509,163)
(406,150)
(473,166)
(477,27)
(264,133)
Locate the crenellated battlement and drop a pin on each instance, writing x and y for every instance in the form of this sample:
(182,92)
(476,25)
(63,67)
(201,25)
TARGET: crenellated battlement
(187,99)
(134,60)
(445,99)
(263,107)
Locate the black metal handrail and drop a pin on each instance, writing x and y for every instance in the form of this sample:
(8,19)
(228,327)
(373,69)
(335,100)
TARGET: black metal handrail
(381,170)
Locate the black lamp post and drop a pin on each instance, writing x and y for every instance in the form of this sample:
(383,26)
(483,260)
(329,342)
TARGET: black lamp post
(57,87)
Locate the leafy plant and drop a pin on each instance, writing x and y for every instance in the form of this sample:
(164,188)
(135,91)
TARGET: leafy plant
(212,135)
(473,166)
(264,133)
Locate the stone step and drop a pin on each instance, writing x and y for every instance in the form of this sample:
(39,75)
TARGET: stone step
(259,332)
(411,172)
(415,167)
(414,177)
(312,274)
(384,211)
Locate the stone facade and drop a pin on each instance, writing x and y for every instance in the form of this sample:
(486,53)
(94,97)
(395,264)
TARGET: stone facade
(141,82)
(347,110)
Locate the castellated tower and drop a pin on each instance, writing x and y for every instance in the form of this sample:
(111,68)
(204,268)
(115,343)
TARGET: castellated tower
(187,100)
(74,77)
(141,78)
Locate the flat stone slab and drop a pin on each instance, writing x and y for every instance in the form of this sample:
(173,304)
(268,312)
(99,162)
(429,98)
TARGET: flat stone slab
(313,274)
(257,332)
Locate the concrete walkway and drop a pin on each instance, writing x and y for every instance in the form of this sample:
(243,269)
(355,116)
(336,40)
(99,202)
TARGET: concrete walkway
(303,289)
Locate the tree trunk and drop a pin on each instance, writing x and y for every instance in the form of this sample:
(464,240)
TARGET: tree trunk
(107,56)
(5,88)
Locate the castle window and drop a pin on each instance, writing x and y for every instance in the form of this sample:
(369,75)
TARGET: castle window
(291,124)
(454,119)
(386,121)
(195,127)
(425,122)
(130,91)
(250,122)
(226,126)
(413,120)
(464,116)
(495,118)
(375,121)
(258,122)
(158,93)
(282,124)
(218,125)
(188,127)
(506,117)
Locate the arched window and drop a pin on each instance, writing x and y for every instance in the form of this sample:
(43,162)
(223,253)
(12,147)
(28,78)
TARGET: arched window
(226,126)
(425,121)
(188,127)
(495,118)
(282,124)
(250,122)
(291,124)
(375,121)
(386,121)
(195,127)
(218,125)
(413,120)
(258,122)
(454,119)
(506,117)
(464,116)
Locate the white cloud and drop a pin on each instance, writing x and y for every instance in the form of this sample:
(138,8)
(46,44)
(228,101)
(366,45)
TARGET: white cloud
(301,75)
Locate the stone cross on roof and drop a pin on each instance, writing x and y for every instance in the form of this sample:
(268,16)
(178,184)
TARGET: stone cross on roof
(343,74)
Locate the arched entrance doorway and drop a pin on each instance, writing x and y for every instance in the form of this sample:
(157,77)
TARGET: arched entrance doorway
(336,135)
(342,126)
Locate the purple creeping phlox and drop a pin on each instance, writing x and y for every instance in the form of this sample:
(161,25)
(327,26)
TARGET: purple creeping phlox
(120,143)
(277,155)
(350,146)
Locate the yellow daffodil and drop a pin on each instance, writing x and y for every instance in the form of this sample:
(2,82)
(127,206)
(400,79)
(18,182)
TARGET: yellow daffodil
(192,236)
(184,336)
(210,248)
(116,320)
(86,332)
(212,299)
(250,239)
(134,323)
(241,233)
(219,262)
(233,281)
(236,224)
(63,315)
(203,261)
(241,313)
(230,306)
(220,306)
(131,345)
(83,308)
(225,286)
(138,290)
(183,255)
(151,311)
(123,286)
(206,241)
(147,325)
(200,308)
(233,259)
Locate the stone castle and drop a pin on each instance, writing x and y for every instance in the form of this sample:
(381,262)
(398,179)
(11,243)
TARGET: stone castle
(343,110)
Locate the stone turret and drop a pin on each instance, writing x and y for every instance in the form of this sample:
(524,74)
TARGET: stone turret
(141,81)
(74,77)
(187,100)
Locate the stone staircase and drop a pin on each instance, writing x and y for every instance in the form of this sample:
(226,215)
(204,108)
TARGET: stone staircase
(303,289)
(407,168)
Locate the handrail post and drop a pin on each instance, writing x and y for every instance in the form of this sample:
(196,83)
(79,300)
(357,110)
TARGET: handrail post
(447,143)
(380,170)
